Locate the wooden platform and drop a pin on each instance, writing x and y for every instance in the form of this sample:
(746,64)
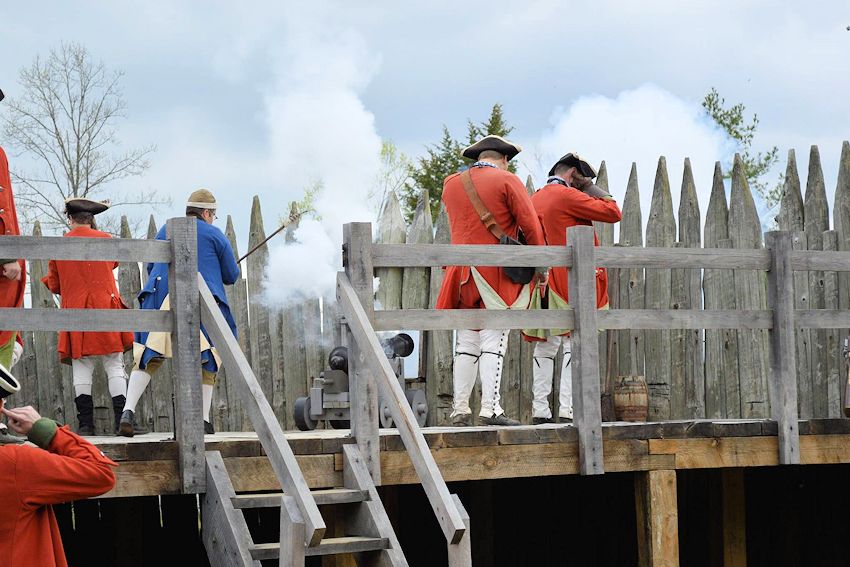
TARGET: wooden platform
(148,463)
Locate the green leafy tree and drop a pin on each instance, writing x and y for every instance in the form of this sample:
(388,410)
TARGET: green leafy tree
(443,158)
(756,165)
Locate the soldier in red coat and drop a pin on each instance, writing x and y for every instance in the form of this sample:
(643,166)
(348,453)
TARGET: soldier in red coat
(569,198)
(90,285)
(13,273)
(485,287)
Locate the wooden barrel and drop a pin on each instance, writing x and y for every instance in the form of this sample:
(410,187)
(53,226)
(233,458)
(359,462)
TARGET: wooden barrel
(631,402)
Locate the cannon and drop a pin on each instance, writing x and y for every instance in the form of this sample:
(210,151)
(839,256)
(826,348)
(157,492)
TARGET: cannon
(329,399)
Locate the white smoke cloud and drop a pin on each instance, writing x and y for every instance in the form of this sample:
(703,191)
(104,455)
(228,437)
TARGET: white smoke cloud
(637,126)
(321,132)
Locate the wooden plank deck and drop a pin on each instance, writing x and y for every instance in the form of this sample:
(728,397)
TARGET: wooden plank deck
(148,463)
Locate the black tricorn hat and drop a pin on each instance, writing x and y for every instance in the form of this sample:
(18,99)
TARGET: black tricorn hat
(81,205)
(8,383)
(494,143)
(2,96)
(574,160)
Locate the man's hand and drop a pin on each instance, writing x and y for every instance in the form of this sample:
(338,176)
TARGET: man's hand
(579,181)
(542,281)
(12,270)
(21,419)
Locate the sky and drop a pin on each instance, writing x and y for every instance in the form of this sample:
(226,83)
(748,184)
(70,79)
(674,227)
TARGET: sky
(265,98)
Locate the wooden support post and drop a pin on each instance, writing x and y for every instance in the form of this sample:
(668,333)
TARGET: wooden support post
(734,518)
(186,352)
(223,529)
(292,534)
(587,410)
(657,518)
(460,553)
(357,259)
(783,382)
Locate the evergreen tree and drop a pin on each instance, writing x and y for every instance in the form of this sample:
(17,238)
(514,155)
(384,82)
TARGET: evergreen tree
(443,159)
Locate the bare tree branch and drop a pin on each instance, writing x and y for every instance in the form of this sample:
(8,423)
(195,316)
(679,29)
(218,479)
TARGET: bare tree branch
(64,120)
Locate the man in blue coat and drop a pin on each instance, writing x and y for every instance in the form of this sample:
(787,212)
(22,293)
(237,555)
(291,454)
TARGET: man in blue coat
(217,264)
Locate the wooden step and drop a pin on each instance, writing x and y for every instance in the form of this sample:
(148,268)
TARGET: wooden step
(323,497)
(328,546)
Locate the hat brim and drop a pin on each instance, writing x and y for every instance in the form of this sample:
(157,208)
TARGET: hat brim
(572,161)
(492,143)
(8,383)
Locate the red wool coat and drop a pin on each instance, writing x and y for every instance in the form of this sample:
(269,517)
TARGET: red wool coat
(11,292)
(71,469)
(505,196)
(87,285)
(560,207)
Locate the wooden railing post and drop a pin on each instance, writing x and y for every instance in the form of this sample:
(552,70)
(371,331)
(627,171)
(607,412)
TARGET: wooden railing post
(186,352)
(587,410)
(783,359)
(357,260)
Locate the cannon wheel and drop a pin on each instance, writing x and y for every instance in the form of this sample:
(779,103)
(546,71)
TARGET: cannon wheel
(302,415)
(419,404)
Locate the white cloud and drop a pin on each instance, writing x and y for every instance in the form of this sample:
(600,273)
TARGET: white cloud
(638,126)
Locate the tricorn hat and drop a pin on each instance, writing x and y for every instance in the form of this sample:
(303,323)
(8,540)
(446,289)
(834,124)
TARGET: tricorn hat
(202,199)
(82,205)
(2,96)
(8,383)
(494,143)
(574,160)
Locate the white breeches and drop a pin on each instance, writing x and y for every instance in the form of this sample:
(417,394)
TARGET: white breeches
(479,352)
(544,370)
(113,364)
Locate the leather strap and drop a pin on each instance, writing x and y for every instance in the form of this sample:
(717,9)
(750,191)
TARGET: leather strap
(483,212)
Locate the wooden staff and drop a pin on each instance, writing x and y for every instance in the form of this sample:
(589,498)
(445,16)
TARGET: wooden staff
(294,215)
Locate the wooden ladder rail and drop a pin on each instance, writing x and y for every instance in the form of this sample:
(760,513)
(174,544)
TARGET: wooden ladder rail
(262,417)
(451,517)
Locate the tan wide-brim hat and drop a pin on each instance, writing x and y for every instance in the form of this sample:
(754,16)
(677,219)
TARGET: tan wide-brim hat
(202,199)
(494,143)
(82,205)
(572,159)
(8,383)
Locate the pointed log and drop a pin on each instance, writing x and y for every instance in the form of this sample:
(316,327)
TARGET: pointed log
(417,281)
(607,340)
(604,230)
(803,343)
(836,368)
(751,293)
(841,221)
(816,223)
(152,230)
(719,294)
(529,185)
(687,294)
(438,382)
(259,314)
(791,206)
(237,297)
(391,230)
(632,283)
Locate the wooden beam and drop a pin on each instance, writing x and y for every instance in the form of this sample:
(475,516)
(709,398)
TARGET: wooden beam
(783,355)
(428,255)
(587,410)
(357,250)
(717,258)
(223,528)
(186,348)
(60,248)
(734,518)
(822,318)
(460,553)
(261,415)
(657,518)
(684,319)
(292,534)
(85,319)
(816,260)
(450,319)
(432,481)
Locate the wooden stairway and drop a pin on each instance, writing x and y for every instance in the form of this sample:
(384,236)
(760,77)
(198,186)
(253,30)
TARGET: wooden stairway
(367,527)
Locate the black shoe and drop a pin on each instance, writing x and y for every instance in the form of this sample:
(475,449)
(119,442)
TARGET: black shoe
(501,420)
(541,420)
(85,414)
(462,420)
(125,427)
(208,428)
(117,409)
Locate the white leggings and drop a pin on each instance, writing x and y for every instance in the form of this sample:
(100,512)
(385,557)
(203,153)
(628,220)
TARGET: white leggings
(544,369)
(479,352)
(113,364)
